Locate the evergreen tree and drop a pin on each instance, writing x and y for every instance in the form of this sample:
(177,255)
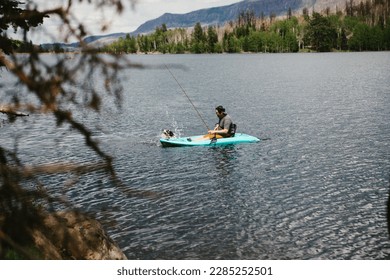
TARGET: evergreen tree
(321,35)
(255,41)
(360,39)
(12,16)
(143,43)
(212,39)
(131,44)
(198,36)
(230,43)
(198,39)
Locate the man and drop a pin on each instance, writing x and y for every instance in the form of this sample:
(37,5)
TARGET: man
(225,126)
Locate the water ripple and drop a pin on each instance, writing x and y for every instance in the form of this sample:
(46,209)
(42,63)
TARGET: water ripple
(316,190)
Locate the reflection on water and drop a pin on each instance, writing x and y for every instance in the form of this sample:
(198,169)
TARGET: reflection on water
(388,212)
(224,158)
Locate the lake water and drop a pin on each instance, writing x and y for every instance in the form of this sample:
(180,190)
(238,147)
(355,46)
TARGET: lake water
(316,187)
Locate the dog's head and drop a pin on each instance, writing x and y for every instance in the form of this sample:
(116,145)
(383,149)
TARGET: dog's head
(167,133)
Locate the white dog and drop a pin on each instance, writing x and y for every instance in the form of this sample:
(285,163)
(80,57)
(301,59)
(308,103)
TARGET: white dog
(168,134)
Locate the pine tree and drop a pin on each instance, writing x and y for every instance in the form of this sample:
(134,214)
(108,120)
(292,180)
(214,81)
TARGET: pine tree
(12,16)
(198,39)
(321,35)
(212,39)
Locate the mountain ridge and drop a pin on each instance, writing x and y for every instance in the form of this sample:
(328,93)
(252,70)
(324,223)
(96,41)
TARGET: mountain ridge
(213,16)
(219,15)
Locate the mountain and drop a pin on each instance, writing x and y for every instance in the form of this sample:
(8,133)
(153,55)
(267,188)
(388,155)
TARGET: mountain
(210,16)
(95,40)
(220,15)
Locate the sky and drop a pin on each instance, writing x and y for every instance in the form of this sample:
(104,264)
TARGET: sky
(128,21)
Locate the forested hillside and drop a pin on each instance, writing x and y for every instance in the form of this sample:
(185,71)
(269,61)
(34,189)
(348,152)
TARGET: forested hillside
(359,26)
(220,15)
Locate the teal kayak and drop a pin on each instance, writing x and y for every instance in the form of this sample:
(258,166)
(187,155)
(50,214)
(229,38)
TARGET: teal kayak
(201,140)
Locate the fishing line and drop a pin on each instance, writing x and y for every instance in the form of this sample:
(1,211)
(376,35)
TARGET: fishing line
(189,99)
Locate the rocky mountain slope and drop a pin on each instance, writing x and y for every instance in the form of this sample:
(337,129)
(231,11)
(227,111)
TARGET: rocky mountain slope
(221,15)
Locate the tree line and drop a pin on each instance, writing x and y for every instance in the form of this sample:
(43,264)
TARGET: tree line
(359,27)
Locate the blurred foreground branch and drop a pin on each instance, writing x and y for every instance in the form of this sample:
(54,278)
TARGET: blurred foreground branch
(57,87)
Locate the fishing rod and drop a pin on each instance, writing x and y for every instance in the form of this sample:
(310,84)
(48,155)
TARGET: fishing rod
(189,99)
